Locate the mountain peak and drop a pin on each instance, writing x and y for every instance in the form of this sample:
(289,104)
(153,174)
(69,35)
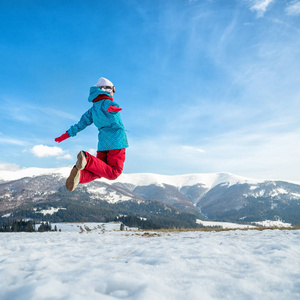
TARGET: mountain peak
(216,195)
(209,180)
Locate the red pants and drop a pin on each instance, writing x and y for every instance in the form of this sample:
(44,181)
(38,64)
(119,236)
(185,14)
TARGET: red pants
(107,164)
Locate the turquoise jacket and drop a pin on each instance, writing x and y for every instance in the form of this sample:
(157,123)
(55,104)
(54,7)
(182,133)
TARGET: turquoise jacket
(104,114)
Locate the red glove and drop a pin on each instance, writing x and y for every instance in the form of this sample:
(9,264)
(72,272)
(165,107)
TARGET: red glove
(62,137)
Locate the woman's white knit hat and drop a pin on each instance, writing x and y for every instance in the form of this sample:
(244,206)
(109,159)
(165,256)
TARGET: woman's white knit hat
(103,82)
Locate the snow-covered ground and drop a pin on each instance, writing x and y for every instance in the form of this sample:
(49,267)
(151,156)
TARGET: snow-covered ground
(223,224)
(105,263)
(269,223)
(266,223)
(49,211)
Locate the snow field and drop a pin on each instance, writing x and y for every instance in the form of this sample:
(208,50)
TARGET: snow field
(223,224)
(207,179)
(266,223)
(108,264)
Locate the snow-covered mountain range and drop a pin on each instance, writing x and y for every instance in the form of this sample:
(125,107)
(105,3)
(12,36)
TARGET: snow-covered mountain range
(215,195)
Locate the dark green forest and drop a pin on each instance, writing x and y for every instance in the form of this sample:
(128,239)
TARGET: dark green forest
(158,215)
(25,226)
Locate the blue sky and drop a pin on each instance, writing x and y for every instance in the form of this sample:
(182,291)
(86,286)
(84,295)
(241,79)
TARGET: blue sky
(205,86)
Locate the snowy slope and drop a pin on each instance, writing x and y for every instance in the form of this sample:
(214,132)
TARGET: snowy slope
(209,180)
(30,172)
(216,195)
(106,264)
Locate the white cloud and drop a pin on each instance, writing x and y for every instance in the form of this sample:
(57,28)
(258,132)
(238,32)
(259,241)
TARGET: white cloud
(192,148)
(56,112)
(260,6)
(13,141)
(9,167)
(267,152)
(66,156)
(93,152)
(293,9)
(45,151)
(18,110)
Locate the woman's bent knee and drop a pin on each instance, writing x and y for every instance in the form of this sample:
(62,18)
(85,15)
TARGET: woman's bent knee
(114,175)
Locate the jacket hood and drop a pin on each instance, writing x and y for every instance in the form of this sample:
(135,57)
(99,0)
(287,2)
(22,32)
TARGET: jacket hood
(95,92)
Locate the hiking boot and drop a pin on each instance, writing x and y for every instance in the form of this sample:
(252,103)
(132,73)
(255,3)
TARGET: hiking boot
(81,160)
(73,179)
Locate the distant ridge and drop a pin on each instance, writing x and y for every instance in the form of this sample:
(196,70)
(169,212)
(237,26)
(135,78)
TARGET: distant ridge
(208,179)
(217,196)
